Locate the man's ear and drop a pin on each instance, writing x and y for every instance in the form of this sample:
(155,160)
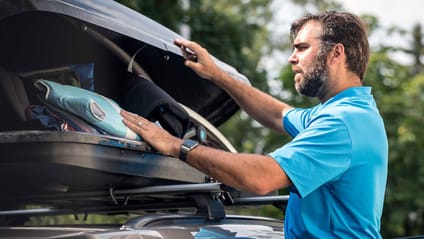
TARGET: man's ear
(337,53)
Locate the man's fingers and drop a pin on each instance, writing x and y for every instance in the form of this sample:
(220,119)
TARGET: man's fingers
(188,48)
(191,45)
(191,64)
(188,54)
(133,119)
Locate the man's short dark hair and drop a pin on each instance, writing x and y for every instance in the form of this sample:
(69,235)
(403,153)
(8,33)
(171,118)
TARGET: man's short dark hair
(345,28)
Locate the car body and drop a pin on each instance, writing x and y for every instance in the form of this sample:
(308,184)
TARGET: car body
(47,170)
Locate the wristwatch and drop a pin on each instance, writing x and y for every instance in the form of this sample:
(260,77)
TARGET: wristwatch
(186,147)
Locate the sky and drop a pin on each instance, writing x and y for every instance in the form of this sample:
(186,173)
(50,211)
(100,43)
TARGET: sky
(403,13)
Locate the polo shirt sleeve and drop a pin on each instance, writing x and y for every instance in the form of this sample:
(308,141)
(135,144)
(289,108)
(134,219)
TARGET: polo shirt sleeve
(318,154)
(295,120)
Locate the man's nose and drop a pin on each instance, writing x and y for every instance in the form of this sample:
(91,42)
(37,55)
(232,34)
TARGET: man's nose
(293,58)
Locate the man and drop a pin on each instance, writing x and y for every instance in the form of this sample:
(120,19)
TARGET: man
(336,164)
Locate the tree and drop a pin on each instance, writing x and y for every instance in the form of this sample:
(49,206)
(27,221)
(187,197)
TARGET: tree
(168,13)
(404,205)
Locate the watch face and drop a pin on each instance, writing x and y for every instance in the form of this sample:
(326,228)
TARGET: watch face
(190,143)
(187,145)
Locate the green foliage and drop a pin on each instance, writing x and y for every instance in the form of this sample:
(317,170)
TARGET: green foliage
(319,5)
(268,210)
(232,31)
(405,198)
(168,13)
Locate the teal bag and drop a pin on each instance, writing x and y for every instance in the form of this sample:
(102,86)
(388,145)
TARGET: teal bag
(95,109)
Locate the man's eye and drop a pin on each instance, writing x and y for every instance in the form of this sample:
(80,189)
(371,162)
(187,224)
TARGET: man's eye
(300,47)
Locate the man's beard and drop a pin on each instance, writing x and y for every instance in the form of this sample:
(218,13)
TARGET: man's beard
(315,80)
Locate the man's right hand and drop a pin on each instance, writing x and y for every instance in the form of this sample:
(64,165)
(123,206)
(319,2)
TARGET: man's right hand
(198,59)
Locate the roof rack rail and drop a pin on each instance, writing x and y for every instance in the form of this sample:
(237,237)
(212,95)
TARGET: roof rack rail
(115,193)
(209,199)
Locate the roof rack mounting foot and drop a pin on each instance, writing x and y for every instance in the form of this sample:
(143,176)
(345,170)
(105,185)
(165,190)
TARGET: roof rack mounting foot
(209,205)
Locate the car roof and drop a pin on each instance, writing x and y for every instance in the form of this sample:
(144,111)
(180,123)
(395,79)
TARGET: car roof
(175,226)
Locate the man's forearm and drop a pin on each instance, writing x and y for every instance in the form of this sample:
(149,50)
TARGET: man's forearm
(262,107)
(258,174)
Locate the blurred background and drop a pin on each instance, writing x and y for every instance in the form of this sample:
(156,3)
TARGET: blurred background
(252,36)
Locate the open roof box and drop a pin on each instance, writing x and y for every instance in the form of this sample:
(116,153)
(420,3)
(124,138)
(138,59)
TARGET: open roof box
(98,45)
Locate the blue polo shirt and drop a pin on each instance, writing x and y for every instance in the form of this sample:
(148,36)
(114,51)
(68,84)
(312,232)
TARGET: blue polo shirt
(337,162)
